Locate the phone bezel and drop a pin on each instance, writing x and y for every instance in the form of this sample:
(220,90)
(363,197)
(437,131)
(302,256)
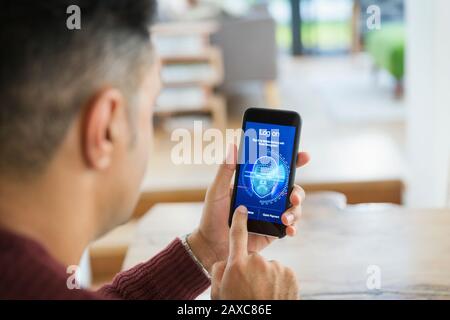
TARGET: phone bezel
(270,116)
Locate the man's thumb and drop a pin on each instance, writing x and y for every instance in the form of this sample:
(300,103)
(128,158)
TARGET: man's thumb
(222,181)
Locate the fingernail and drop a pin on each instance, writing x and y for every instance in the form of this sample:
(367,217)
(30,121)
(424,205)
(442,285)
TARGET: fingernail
(241,209)
(289,217)
(301,194)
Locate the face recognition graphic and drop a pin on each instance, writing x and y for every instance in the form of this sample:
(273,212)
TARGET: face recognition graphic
(263,181)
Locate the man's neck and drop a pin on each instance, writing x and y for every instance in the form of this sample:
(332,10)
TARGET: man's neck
(57,218)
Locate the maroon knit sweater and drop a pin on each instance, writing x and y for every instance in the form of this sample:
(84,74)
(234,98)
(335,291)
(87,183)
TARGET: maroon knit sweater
(27,271)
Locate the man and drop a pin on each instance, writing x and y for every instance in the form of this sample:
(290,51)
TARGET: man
(75,131)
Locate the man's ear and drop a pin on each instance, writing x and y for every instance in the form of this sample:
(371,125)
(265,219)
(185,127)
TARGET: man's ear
(100,127)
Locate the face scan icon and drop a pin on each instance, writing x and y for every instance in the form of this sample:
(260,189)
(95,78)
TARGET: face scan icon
(265,176)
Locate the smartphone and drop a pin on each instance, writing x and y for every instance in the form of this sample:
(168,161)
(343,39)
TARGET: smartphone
(266,166)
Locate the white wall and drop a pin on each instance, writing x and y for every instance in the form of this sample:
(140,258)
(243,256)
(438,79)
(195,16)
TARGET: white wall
(428,101)
(84,275)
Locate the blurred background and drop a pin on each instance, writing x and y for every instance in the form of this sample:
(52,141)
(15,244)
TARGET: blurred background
(370,78)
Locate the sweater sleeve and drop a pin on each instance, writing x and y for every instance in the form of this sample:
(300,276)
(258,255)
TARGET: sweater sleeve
(170,275)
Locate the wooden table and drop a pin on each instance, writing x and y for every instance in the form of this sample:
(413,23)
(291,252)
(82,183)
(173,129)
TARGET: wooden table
(335,250)
(367,167)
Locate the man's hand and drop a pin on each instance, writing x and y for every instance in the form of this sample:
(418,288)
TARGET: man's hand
(210,241)
(248,276)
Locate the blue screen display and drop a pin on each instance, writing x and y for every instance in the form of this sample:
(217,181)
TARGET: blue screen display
(265,161)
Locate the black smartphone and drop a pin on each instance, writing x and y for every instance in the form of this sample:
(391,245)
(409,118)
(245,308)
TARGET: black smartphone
(265,172)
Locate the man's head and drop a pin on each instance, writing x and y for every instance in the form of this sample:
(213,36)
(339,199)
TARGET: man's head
(78,101)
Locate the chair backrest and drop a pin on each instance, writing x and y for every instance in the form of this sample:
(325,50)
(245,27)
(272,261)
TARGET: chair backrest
(249,47)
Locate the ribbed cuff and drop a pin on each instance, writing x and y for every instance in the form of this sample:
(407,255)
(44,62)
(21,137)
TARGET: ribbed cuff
(172,274)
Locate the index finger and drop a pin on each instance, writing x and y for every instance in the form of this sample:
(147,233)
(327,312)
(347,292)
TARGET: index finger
(238,234)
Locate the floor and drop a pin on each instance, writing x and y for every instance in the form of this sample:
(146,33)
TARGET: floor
(353,126)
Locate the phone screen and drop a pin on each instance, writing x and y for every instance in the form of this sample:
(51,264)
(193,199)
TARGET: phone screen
(265,161)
